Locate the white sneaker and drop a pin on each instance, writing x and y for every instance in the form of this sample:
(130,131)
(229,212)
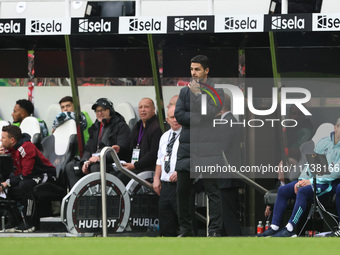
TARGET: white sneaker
(24,229)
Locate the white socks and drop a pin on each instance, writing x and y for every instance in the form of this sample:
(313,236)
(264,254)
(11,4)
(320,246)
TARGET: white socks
(274,227)
(290,227)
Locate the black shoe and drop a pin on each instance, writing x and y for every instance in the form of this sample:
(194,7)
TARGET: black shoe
(186,234)
(214,234)
(284,232)
(268,232)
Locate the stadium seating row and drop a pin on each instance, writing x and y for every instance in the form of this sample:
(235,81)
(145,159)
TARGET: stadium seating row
(125,100)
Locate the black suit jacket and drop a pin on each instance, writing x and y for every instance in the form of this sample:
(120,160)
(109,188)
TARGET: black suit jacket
(231,143)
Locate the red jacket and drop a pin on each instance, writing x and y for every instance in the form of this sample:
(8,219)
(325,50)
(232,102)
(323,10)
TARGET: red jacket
(28,161)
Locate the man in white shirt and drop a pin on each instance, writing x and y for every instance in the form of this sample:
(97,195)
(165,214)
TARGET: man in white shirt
(165,179)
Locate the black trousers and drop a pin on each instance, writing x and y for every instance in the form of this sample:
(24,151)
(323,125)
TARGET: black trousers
(167,210)
(26,204)
(215,205)
(230,206)
(184,186)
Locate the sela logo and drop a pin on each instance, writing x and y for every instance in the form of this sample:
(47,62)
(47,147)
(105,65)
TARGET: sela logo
(142,25)
(86,26)
(325,22)
(187,24)
(280,22)
(38,26)
(136,24)
(233,23)
(9,27)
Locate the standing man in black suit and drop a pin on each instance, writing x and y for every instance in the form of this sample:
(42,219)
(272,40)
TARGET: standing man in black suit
(231,143)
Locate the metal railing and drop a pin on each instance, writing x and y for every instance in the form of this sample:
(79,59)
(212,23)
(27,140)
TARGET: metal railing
(245,179)
(122,169)
(143,182)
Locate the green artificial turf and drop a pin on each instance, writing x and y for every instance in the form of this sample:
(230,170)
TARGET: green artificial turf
(164,246)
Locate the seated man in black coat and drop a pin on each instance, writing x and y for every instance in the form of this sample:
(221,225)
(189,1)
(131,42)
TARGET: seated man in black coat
(109,129)
(144,140)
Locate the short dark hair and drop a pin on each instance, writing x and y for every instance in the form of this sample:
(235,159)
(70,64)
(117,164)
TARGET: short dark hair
(201,59)
(26,105)
(66,99)
(13,131)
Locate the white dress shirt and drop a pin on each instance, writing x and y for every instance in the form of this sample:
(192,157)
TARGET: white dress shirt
(163,142)
(224,114)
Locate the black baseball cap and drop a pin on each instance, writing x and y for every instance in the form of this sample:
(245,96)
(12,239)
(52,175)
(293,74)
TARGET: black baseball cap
(103,102)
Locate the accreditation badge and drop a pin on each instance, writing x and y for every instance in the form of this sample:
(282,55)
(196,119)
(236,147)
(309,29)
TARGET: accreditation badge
(135,155)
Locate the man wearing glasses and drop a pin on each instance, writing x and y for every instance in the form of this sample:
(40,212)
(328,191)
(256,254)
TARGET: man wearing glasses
(109,129)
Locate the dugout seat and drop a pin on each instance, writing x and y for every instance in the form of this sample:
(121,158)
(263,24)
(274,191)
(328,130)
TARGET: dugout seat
(3,123)
(60,148)
(31,126)
(129,114)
